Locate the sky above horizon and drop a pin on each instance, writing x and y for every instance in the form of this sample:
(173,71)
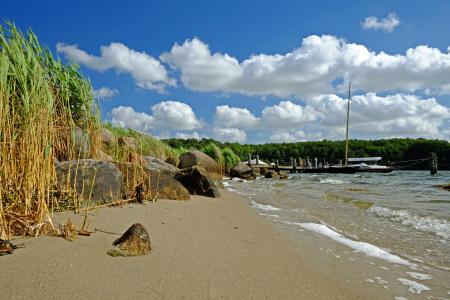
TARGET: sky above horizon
(257,71)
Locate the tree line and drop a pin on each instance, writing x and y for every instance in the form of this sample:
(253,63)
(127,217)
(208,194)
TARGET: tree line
(395,150)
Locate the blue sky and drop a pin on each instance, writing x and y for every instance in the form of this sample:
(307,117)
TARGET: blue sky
(257,71)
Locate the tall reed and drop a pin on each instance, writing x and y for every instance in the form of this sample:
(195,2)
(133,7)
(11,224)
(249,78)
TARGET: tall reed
(40,100)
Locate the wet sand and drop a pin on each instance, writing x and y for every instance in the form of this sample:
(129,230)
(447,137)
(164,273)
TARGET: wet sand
(202,249)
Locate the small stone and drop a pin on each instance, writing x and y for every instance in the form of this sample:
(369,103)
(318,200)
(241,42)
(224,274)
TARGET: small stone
(136,159)
(135,241)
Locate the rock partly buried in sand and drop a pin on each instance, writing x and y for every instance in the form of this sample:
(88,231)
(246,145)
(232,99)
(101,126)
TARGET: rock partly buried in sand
(197,158)
(198,182)
(272,174)
(135,241)
(239,169)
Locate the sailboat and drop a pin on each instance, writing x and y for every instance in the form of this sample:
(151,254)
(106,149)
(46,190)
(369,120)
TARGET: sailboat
(361,167)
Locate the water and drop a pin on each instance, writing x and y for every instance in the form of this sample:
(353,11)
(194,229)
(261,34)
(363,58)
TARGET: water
(402,214)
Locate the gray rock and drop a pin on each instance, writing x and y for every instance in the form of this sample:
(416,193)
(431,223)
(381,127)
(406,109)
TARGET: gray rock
(159,165)
(108,184)
(82,144)
(127,143)
(108,138)
(197,158)
(263,171)
(198,182)
(256,171)
(239,169)
(218,183)
(283,174)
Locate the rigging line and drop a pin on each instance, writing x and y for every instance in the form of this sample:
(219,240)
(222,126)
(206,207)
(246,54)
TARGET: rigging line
(408,165)
(422,159)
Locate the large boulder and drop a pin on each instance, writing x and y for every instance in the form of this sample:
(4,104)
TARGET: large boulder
(256,171)
(239,169)
(159,165)
(156,182)
(82,144)
(108,138)
(103,156)
(135,241)
(197,158)
(127,143)
(272,174)
(106,188)
(198,182)
(174,161)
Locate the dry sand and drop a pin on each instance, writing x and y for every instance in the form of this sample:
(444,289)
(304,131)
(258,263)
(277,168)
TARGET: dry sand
(202,249)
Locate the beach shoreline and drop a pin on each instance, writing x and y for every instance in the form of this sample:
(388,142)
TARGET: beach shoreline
(204,248)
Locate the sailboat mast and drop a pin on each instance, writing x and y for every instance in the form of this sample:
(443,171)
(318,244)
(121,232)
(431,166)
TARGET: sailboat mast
(348,117)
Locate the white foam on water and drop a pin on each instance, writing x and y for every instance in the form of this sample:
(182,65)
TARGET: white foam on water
(368,280)
(414,287)
(264,207)
(226,183)
(428,224)
(268,215)
(419,276)
(235,179)
(231,190)
(400,298)
(333,181)
(368,249)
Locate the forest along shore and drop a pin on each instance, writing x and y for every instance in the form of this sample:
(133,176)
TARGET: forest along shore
(203,248)
(397,223)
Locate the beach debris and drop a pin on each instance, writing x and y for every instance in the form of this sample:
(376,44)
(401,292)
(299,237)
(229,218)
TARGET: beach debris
(135,241)
(7,248)
(198,182)
(355,190)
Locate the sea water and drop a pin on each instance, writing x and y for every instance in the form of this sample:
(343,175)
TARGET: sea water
(402,217)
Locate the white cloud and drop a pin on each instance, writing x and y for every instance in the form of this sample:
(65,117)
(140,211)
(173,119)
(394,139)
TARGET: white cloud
(290,136)
(398,115)
(163,135)
(284,115)
(229,134)
(172,115)
(148,72)
(193,135)
(387,25)
(105,92)
(311,69)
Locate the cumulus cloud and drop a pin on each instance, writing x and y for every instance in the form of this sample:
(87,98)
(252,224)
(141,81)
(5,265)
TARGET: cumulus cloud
(387,25)
(396,115)
(105,92)
(284,115)
(147,71)
(311,69)
(193,135)
(290,136)
(229,134)
(171,115)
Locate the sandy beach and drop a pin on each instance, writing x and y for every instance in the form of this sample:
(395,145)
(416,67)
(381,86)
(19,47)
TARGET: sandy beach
(202,249)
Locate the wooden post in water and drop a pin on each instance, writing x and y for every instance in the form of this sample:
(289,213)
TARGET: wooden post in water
(433,163)
(300,163)
(295,166)
(291,159)
(249,160)
(257,159)
(315,162)
(340,162)
(276,165)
